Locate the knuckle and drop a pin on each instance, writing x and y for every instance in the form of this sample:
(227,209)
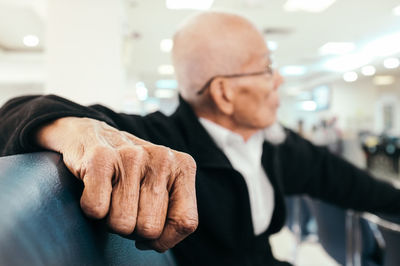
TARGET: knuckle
(161,159)
(188,163)
(149,230)
(162,151)
(164,164)
(97,211)
(101,155)
(186,226)
(122,226)
(130,151)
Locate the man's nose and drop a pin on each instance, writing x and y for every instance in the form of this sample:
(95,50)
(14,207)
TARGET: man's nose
(278,79)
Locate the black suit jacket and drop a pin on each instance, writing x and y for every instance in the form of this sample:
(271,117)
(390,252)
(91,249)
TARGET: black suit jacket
(225,233)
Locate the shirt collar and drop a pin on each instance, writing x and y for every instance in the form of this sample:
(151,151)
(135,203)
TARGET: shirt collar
(222,136)
(219,134)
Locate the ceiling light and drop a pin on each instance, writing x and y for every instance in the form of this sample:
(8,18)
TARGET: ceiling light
(308,105)
(368,70)
(396,10)
(31,40)
(166,45)
(385,46)
(347,62)
(350,76)
(314,6)
(293,70)
(141,91)
(337,48)
(272,45)
(189,4)
(166,70)
(383,80)
(391,63)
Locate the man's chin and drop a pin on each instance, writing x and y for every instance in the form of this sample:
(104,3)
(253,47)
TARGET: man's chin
(275,133)
(267,125)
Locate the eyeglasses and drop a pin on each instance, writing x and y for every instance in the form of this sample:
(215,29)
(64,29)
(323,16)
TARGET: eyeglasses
(268,70)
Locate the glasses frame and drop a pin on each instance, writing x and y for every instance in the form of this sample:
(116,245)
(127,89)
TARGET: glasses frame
(268,70)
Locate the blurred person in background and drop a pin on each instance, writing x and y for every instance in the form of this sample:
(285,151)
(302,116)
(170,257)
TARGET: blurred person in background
(326,134)
(319,134)
(300,127)
(335,140)
(138,174)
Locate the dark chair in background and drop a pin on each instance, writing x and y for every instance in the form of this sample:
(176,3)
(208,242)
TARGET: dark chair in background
(42,224)
(336,236)
(298,217)
(389,227)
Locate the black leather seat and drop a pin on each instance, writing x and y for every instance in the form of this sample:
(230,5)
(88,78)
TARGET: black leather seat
(42,224)
(389,227)
(392,242)
(333,235)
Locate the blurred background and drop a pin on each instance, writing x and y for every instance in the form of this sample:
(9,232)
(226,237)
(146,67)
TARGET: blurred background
(340,61)
(339,58)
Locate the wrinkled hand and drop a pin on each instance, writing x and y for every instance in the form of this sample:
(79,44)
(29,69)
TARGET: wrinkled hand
(139,186)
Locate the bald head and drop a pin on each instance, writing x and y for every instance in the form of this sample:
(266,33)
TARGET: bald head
(211,44)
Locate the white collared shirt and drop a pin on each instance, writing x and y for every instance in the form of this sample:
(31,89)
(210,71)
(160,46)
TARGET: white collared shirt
(245,157)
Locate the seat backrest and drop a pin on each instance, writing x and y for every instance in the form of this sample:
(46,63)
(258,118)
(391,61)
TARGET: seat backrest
(389,227)
(392,244)
(42,224)
(298,217)
(332,234)
(331,228)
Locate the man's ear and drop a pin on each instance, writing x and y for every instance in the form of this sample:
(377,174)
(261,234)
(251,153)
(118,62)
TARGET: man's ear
(222,93)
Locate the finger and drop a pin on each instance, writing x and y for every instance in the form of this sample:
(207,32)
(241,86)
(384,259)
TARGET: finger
(95,200)
(153,202)
(125,194)
(182,218)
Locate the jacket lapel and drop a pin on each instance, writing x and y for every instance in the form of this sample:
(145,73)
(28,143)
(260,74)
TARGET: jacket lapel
(271,162)
(209,158)
(202,147)
(223,198)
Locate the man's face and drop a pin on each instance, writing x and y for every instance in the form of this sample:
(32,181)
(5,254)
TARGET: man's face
(256,97)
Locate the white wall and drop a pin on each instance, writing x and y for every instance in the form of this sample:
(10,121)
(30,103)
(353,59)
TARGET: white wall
(357,105)
(84,51)
(21,73)
(13,90)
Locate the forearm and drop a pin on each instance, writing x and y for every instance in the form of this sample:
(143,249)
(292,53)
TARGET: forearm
(339,182)
(354,188)
(137,185)
(21,118)
(318,173)
(49,135)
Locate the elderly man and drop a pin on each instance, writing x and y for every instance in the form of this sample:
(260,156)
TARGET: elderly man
(226,121)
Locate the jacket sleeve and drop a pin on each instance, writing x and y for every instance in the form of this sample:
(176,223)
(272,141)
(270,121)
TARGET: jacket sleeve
(20,117)
(308,169)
